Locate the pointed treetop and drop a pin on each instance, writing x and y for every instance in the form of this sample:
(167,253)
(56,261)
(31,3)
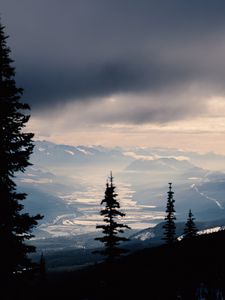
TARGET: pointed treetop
(170,188)
(190,229)
(111,179)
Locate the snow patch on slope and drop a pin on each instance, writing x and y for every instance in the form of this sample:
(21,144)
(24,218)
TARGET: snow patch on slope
(193,186)
(69,152)
(84,151)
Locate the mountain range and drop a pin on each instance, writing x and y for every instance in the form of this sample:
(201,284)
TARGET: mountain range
(66,184)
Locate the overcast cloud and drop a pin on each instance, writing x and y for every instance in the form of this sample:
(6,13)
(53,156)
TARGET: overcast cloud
(159,60)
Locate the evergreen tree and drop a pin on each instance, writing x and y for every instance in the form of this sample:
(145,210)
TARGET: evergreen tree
(15,149)
(112,228)
(190,229)
(170,226)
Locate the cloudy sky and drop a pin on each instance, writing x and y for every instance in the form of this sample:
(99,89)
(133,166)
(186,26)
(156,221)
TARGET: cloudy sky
(122,72)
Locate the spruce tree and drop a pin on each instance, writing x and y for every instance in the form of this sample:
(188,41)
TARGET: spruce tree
(190,229)
(15,149)
(170,226)
(112,228)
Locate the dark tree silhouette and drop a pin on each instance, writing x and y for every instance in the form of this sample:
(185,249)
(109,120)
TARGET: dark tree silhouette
(112,228)
(190,229)
(15,149)
(170,226)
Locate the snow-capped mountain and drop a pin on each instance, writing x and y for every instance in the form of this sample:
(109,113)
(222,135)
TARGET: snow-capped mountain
(154,235)
(54,156)
(163,164)
(66,184)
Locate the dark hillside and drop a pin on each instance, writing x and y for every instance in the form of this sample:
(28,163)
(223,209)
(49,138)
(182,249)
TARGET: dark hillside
(155,273)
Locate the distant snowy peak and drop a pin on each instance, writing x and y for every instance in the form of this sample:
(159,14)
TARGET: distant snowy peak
(153,156)
(44,147)
(160,164)
(49,155)
(133,159)
(81,150)
(69,152)
(49,152)
(84,150)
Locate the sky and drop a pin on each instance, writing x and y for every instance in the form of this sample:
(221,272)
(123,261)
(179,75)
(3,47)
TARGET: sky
(122,72)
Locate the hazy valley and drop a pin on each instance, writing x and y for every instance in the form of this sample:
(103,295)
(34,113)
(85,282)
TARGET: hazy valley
(66,184)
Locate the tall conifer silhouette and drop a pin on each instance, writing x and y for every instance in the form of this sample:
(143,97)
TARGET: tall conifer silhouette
(112,228)
(15,149)
(170,226)
(190,229)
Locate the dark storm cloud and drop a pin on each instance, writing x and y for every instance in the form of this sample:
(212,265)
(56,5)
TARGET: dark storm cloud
(80,50)
(59,84)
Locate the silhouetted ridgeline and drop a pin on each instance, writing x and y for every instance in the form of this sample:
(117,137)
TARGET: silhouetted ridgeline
(164,272)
